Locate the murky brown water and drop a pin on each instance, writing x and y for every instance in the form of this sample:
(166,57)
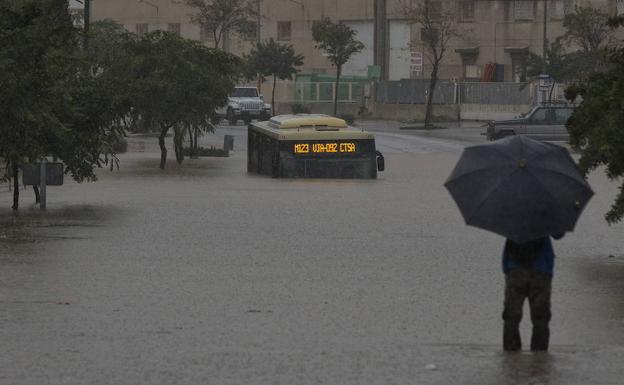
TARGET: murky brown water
(204,274)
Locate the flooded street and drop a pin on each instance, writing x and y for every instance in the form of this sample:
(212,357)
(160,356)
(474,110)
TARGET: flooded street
(204,274)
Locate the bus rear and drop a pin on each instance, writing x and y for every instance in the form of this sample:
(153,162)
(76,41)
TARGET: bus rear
(312,146)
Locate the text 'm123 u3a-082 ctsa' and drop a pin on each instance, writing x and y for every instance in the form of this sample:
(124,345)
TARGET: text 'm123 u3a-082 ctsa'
(324,148)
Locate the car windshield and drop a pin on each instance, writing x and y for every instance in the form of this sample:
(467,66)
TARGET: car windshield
(244,93)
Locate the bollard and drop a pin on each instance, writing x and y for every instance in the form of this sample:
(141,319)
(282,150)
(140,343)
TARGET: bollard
(228,143)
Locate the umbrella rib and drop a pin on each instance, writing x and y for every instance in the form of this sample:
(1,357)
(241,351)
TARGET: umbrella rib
(562,174)
(474,171)
(544,187)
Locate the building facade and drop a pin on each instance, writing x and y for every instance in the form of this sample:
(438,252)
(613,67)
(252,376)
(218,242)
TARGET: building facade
(492,32)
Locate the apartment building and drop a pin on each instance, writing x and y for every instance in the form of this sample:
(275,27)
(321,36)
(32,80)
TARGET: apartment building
(492,31)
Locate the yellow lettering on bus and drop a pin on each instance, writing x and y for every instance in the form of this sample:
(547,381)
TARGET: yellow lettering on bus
(347,147)
(302,148)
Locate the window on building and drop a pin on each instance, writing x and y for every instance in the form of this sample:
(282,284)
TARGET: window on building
(174,27)
(472,72)
(435,9)
(507,10)
(518,68)
(205,33)
(619,7)
(142,28)
(283,30)
(568,6)
(556,9)
(428,35)
(466,10)
(524,10)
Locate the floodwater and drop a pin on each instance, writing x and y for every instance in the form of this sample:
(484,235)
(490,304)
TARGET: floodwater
(203,274)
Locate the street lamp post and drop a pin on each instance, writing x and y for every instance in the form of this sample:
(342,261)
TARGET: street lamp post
(258,20)
(545,37)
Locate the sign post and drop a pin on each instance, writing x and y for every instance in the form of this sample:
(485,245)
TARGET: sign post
(43,174)
(42,183)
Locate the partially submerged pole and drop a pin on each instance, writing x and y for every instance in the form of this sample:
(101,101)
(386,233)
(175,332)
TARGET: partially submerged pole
(42,183)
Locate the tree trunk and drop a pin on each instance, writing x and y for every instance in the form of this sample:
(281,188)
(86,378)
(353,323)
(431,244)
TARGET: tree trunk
(273,96)
(163,149)
(15,185)
(178,144)
(189,130)
(195,143)
(37,195)
(338,70)
(552,88)
(432,84)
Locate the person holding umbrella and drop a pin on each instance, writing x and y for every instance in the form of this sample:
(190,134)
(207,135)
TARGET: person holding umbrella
(526,191)
(528,269)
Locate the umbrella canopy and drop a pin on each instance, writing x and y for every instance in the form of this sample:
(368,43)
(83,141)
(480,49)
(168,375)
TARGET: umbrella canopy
(519,188)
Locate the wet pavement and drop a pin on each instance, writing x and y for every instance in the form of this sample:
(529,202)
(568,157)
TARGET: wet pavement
(203,274)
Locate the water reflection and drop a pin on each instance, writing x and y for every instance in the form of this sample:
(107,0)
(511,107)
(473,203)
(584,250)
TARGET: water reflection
(21,231)
(527,368)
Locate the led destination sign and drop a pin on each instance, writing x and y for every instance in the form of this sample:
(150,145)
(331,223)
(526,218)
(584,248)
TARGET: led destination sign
(325,148)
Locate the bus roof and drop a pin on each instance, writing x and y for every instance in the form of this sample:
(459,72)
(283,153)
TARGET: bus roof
(309,127)
(306,120)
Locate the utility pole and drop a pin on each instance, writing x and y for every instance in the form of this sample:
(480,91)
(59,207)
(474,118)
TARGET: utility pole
(258,21)
(87,21)
(380,36)
(545,37)
(259,38)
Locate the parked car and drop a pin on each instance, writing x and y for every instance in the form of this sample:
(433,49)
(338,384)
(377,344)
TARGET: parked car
(542,123)
(244,103)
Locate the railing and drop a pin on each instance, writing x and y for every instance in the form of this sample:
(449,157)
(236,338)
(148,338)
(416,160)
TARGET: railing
(315,92)
(413,91)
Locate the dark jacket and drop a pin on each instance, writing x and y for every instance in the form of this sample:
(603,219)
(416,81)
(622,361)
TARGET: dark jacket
(537,255)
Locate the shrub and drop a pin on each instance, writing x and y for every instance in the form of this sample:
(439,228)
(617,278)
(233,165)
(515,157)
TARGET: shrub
(120,146)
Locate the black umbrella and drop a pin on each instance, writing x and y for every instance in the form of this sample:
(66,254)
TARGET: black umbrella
(519,188)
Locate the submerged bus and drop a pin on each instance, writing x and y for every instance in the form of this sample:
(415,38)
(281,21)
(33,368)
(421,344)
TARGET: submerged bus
(311,146)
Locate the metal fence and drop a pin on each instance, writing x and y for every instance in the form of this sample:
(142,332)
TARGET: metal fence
(415,92)
(412,91)
(316,92)
(495,93)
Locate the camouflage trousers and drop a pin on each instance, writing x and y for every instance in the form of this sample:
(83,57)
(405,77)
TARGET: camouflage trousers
(520,284)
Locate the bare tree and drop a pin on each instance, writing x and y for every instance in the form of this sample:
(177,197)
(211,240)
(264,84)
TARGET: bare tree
(219,17)
(438,26)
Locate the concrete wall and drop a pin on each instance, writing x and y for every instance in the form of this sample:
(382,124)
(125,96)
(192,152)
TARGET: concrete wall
(319,108)
(413,112)
(487,112)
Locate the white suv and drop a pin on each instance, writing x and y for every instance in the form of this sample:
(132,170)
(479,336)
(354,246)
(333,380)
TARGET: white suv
(244,103)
